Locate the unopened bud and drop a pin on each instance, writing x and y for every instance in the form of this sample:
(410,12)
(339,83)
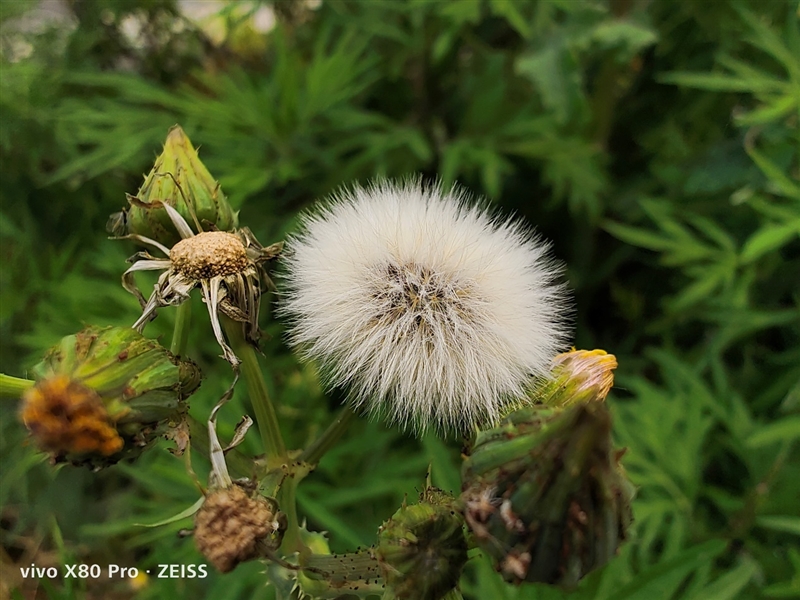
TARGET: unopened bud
(576,377)
(181,180)
(422,548)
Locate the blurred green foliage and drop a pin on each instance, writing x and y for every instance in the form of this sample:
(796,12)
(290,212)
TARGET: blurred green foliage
(656,143)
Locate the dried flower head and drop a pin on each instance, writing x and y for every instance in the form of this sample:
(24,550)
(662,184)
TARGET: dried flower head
(544,494)
(234,526)
(227,266)
(105,393)
(66,416)
(430,309)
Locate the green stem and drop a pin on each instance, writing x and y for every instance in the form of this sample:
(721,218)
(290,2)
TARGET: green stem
(266,417)
(180,335)
(13,387)
(287,500)
(331,576)
(329,437)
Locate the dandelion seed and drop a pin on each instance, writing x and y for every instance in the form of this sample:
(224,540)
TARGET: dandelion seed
(428,308)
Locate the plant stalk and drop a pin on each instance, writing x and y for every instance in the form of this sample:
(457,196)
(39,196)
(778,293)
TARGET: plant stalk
(14,387)
(287,501)
(332,575)
(266,417)
(180,335)
(329,437)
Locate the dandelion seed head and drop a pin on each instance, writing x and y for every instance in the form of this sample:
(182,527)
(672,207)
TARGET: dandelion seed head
(428,308)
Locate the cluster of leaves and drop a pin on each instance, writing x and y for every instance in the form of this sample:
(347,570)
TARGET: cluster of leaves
(657,145)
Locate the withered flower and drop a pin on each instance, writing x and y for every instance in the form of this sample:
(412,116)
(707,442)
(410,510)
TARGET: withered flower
(229,267)
(104,394)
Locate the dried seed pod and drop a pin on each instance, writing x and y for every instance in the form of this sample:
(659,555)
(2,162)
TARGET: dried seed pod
(422,548)
(235,526)
(104,394)
(544,494)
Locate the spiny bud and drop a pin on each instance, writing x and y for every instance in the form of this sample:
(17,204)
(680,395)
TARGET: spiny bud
(235,526)
(422,548)
(181,180)
(104,394)
(576,377)
(544,495)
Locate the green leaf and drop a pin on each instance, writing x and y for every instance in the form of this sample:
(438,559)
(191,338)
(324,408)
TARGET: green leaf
(784,185)
(768,238)
(729,585)
(510,10)
(699,290)
(636,236)
(661,581)
(782,523)
(633,37)
(546,69)
(717,82)
(783,430)
(181,515)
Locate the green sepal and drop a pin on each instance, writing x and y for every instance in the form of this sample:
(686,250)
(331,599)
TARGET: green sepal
(180,179)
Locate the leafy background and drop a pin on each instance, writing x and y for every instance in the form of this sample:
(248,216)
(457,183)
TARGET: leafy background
(655,143)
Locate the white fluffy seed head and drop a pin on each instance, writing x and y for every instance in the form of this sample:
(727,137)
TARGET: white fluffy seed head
(427,308)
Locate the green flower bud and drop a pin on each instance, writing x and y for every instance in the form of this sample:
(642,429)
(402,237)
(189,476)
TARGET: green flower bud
(104,394)
(181,180)
(544,494)
(422,548)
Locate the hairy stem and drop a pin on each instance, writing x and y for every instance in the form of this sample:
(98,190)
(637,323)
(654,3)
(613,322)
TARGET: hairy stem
(13,387)
(180,335)
(335,575)
(266,417)
(329,437)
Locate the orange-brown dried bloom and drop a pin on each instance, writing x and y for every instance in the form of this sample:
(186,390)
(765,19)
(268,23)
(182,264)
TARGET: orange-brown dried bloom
(233,527)
(65,416)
